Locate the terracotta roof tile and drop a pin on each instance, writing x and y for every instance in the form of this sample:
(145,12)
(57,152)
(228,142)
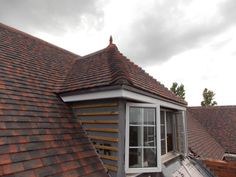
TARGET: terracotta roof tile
(221,168)
(110,67)
(38,135)
(200,141)
(219,122)
(5,159)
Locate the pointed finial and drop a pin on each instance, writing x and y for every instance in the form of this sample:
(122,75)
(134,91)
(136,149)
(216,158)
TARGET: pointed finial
(110,40)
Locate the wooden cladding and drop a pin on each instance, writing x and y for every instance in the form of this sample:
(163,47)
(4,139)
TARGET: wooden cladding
(110,148)
(110,113)
(99,121)
(111,167)
(114,158)
(95,129)
(104,138)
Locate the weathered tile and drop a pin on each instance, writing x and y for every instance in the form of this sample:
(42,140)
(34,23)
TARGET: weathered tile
(36,127)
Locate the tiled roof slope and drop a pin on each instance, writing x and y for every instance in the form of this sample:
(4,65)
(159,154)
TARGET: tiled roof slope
(200,142)
(38,136)
(221,168)
(220,122)
(110,67)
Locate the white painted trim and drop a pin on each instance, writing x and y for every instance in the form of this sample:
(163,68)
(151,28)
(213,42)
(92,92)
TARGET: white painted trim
(158,148)
(93,96)
(169,156)
(230,155)
(185,133)
(120,93)
(158,114)
(127,138)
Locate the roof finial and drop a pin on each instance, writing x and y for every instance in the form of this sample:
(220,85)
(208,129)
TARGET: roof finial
(110,40)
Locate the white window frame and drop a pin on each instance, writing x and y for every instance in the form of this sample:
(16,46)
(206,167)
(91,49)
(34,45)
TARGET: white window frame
(158,148)
(173,131)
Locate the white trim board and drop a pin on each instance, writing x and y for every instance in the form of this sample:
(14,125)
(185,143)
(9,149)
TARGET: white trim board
(120,93)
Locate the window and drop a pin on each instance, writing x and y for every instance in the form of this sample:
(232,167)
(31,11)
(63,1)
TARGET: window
(173,133)
(167,132)
(142,142)
(151,133)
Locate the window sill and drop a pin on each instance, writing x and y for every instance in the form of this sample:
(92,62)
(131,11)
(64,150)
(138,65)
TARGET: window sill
(169,156)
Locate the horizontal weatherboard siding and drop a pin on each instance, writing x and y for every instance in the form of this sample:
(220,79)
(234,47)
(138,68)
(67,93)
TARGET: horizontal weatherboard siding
(100,121)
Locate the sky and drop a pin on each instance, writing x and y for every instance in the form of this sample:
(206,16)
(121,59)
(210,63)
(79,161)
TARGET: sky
(185,41)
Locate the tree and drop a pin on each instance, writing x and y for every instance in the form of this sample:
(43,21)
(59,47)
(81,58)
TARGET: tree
(178,90)
(208,97)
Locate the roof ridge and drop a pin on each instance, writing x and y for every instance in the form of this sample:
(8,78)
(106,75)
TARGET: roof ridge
(74,65)
(123,76)
(36,38)
(151,77)
(119,73)
(158,82)
(92,54)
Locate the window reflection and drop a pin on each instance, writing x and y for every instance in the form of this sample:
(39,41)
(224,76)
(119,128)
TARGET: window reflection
(135,136)
(167,131)
(135,116)
(142,140)
(150,157)
(149,136)
(135,157)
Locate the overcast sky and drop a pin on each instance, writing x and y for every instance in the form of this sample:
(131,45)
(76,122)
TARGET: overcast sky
(185,41)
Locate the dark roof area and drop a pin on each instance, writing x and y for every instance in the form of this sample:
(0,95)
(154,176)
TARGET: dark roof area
(38,136)
(219,122)
(201,142)
(109,67)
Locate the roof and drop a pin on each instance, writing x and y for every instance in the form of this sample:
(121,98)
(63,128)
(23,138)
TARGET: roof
(219,122)
(38,136)
(110,67)
(221,168)
(201,142)
(186,167)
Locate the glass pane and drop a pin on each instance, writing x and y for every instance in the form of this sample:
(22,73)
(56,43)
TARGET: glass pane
(180,132)
(149,116)
(135,137)
(169,143)
(150,157)
(150,136)
(163,147)
(169,115)
(162,117)
(135,115)
(135,158)
(169,124)
(163,132)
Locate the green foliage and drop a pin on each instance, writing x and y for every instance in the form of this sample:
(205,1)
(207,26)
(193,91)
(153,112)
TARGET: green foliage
(208,97)
(178,90)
